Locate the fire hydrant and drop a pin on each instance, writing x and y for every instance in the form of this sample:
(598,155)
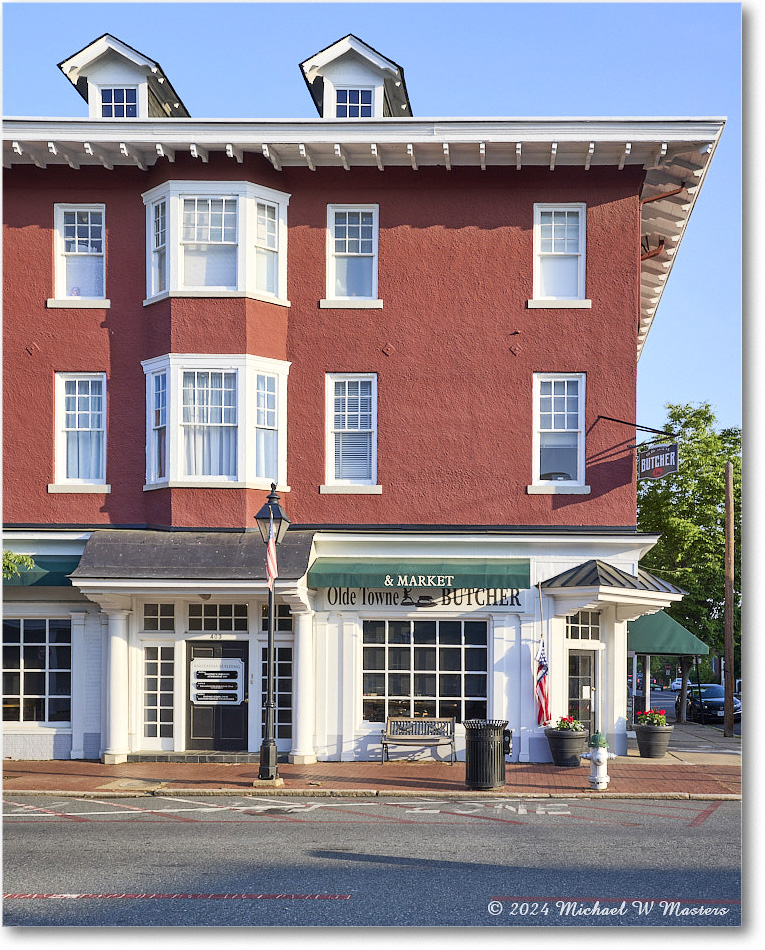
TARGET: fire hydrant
(598,756)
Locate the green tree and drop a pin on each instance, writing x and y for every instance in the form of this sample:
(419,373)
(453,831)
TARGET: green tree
(13,563)
(688,510)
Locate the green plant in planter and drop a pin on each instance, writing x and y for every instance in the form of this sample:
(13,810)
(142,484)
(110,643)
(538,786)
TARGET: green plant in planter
(653,717)
(569,724)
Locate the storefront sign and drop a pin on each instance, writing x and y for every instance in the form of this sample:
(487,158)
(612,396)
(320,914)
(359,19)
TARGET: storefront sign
(217,680)
(658,461)
(409,597)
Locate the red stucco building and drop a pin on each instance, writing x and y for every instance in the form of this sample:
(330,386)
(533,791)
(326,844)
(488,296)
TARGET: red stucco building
(423,331)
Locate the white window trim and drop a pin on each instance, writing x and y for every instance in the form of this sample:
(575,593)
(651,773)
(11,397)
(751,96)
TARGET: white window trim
(61,300)
(62,484)
(360,87)
(350,303)
(94,98)
(331,85)
(246,367)
(248,195)
(578,487)
(553,303)
(332,485)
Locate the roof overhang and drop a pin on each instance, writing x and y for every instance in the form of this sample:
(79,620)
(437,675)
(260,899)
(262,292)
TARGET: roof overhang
(671,153)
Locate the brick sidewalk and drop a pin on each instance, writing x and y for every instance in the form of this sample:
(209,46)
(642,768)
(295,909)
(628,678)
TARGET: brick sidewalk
(630,776)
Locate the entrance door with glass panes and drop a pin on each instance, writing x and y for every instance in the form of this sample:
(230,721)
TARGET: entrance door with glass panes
(282,676)
(581,679)
(425,668)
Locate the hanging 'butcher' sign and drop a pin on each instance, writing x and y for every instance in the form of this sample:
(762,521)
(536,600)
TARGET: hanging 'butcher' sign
(657,461)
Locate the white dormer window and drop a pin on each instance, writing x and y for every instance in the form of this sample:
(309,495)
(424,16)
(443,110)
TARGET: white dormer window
(354,103)
(119,102)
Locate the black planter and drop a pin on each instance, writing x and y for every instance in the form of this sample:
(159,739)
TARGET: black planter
(653,741)
(566,746)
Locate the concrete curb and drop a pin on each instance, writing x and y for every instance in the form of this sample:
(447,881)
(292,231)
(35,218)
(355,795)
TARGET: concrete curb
(374,793)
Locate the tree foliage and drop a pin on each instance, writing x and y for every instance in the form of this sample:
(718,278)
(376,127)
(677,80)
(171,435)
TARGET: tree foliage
(13,563)
(688,510)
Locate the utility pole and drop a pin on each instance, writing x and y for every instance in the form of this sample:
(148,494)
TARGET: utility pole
(729,679)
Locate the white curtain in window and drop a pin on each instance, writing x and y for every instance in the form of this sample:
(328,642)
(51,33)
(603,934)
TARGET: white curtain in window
(210,450)
(84,275)
(353,276)
(84,455)
(209,265)
(265,454)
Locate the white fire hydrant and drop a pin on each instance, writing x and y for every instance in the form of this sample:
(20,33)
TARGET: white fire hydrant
(598,756)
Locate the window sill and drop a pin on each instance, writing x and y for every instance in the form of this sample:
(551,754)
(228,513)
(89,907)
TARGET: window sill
(351,303)
(78,303)
(350,489)
(557,488)
(559,304)
(264,485)
(64,488)
(29,728)
(201,294)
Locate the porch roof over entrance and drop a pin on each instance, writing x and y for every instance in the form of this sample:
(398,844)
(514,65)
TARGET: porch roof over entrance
(660,635)
(195,555)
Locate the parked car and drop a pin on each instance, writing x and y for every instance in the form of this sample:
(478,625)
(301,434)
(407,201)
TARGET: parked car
(676,685)
(709,700)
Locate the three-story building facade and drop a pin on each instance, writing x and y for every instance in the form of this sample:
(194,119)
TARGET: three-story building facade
(424,332)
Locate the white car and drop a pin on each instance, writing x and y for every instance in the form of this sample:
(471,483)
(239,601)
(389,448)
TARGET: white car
(676,685)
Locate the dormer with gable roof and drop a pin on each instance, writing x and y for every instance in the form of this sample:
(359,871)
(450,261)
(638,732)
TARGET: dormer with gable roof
(118,82)
(350,80)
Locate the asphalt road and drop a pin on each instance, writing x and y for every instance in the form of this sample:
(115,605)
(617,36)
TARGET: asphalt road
(325,862)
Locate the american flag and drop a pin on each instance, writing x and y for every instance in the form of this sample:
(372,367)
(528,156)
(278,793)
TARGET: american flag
(543,695)
(271,571)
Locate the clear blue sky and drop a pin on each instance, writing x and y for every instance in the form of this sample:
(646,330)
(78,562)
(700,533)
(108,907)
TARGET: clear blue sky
(464,59)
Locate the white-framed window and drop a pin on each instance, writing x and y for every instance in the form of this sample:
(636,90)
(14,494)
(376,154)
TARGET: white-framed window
(425,668)
(559,252)
(37,671)
(583,625)
(559,432)
(352,255)
(119,102)
(354,103)
(351,413)
(80,246)
(216,420)
(215,238)
(80,429)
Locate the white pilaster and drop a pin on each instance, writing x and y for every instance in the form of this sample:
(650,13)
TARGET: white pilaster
(116,746)
(303,690)
(78,685)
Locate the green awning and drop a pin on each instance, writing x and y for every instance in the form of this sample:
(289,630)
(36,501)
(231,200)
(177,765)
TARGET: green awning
(50,570)
(398,573)
(659,635)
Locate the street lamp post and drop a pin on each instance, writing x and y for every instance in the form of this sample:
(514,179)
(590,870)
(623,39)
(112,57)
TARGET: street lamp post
(273,523)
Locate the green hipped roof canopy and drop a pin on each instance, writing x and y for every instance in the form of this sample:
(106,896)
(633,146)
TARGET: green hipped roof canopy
(458,573)
(659,635)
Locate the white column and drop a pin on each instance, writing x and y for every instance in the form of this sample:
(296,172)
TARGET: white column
(303,690)
(116,746)
(78,685)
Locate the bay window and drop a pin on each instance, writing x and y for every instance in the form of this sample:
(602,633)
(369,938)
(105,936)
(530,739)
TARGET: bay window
(215,421)
(214,238)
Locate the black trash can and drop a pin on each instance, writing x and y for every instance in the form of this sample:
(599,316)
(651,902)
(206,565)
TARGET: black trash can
(486,744)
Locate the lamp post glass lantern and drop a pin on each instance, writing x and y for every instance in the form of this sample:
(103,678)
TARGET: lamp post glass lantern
(273,523)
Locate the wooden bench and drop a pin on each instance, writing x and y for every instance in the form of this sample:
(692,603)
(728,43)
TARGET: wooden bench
(401,730)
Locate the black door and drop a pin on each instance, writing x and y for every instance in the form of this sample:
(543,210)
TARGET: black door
(217,691)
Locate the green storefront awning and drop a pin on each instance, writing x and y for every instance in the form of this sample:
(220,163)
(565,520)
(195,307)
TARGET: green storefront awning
(659,635)
(50,570)
(399,573)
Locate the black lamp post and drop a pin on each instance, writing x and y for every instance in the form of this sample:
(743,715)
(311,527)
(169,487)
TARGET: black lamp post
(273,523)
